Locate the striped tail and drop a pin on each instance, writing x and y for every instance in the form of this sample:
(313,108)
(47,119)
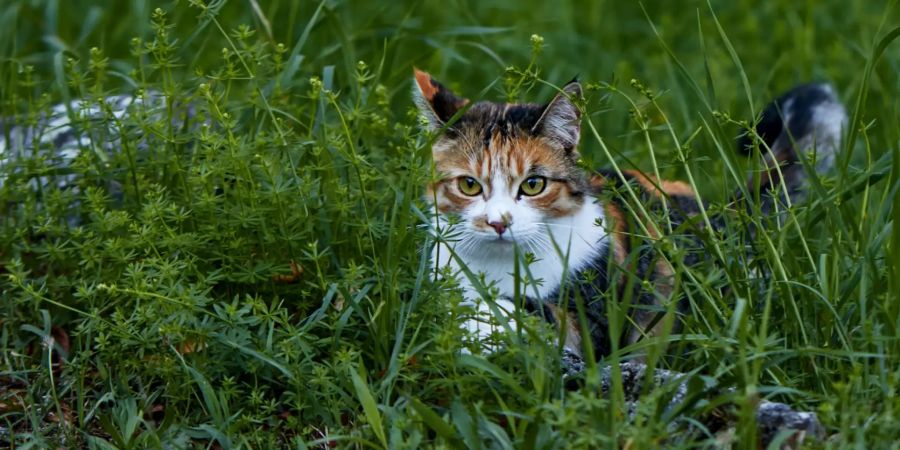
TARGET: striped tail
(807,120)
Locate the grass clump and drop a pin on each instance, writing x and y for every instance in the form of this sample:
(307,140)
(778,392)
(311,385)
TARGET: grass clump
(232,256)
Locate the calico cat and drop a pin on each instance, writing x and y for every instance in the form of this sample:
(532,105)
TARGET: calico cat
(509,185)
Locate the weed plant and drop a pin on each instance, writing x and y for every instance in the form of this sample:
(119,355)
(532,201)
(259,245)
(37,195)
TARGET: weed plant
(238,261)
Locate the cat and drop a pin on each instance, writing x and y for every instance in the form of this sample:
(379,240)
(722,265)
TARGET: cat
(509,185)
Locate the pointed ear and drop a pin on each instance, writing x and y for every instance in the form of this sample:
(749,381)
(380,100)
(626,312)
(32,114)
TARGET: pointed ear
(561,121)
(435,102)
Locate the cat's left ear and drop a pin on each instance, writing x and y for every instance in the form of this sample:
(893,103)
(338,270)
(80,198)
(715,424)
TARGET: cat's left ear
(435,102)
(561,120)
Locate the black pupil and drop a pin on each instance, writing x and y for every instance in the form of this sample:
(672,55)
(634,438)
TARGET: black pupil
(532,183)
(470,183)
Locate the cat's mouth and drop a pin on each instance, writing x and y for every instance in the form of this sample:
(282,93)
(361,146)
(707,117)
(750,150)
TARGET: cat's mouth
(503,239)
(493,238)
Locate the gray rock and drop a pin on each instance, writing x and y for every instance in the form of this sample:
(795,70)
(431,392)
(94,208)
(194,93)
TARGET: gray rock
(775,421)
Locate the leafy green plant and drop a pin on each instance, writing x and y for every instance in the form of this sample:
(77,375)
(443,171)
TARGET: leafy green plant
(236,259)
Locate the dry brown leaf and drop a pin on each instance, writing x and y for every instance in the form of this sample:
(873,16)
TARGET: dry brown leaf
(191,346)
(61,337)
(296,272)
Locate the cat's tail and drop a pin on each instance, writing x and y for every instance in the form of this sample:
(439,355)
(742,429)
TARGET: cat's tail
(804,123)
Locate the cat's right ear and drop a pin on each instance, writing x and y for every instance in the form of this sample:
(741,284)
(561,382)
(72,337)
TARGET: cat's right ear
(436,103)
(561,120)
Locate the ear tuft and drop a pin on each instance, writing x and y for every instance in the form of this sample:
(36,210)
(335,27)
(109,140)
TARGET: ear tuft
(436,103)
(561,121)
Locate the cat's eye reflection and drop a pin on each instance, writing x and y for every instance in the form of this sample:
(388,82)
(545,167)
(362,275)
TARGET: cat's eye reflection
(533,186)
(468,186)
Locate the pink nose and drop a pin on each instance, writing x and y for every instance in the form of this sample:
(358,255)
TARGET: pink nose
(499,227)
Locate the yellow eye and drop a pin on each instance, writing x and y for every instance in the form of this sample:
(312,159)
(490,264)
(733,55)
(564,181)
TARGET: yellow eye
(469,186)
(533,186)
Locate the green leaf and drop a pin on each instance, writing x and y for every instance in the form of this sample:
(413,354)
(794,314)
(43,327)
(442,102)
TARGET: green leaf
(368,403)
(435,422)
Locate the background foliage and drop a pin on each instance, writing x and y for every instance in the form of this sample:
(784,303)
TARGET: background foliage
(247,271)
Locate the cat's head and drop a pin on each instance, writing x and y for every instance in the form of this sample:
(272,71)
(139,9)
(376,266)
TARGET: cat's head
(509,171)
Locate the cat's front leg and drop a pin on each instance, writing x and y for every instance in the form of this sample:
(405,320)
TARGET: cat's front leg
(487,318)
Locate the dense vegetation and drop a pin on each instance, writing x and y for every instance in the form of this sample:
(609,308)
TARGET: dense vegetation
(245,268)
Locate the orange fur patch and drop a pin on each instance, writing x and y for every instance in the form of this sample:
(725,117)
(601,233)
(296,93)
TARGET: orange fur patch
(556,200)
(423,79)
(652,185)
(572,330)
(663,279)
(619,236)
(615,219)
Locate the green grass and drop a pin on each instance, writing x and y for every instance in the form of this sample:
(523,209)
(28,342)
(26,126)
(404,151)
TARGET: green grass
(170,318)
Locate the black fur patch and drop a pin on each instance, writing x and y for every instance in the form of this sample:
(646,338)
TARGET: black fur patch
(508,120)
(444,102)
(797,105)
